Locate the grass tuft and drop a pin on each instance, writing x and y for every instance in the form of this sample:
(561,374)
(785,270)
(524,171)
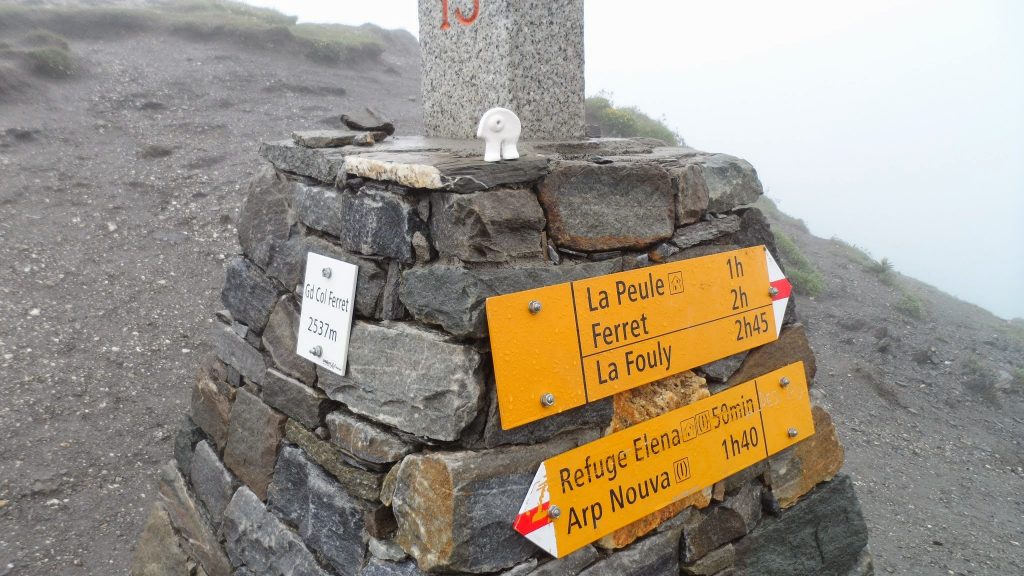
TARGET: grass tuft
(801,273)
(627,122)
(50,61)
(910,305)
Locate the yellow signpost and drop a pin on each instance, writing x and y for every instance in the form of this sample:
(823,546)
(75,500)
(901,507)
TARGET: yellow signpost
(581,495)
(562,346)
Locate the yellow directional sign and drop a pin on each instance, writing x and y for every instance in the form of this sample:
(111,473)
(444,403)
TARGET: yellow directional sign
(562,346)
(581,495)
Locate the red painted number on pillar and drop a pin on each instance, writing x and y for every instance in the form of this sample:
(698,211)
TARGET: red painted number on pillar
(462,18)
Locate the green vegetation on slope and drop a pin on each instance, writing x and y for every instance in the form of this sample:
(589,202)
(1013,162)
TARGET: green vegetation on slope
(626,122)
(801,273)
(202,20)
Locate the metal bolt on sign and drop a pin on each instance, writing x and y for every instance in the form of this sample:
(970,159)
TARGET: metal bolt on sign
(784,382)
(534,306)
(793,432)
(554,512)
(317,351)
(326,272)
(773,291)
(547,399)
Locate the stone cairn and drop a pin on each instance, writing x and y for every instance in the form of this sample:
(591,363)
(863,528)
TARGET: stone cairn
(401,467)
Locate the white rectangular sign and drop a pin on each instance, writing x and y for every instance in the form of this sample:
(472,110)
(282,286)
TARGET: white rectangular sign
(328,301)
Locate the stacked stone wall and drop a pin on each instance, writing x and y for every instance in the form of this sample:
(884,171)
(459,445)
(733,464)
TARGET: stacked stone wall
(401,467)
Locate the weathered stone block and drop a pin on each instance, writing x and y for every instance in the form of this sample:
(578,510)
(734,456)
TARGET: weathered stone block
(361,483)
(691,194)
(211,404)
(334,526)
(305,404)
(378,567)
(367,441)
(792,346)
(248,294)
(158,552)
(469,65)
(570,565)
(280,338)
(257,539)
(730,520)
(594,207)
(656,555)
(453,297)
(288,156)
(235,351)
(334,138)
(796,471)
(702,232)
(212,482)
(712,563)
(409,378)
(185,441)
(492,226)
(731,182)
(455,509)
(253,436)
(329,520)
(376,220)
(265,219)
(722,370)
(198,540)
(823,534)
(463,170)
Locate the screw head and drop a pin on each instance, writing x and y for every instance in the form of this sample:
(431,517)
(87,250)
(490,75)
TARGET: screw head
(547,399)
(326,272)
(784,382)
(773,291)
(554,512)
(317,351)
(534,306)
(793,432)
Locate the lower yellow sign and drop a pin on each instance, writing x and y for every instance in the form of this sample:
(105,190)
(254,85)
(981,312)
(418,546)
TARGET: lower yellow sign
(581,495)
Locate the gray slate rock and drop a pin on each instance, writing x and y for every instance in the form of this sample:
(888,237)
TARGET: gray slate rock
(280,338)
(453,296)
(410,378)
(319,207)
(824,533)
(211,403)
(334,138)
(691,194)
(326,516)
(257,539)
(303,403)
(570,565)
(595,207)
(265,219)
(198,539)
(253,437)
(492,226)
(455,509)
(288,156)
(731,182)
(379,567)
(702,232)
(730,520)
(185,440)
(235,351)
(656,555)
(212,482)
(248,294)
(367,441)
(386,550)
(364,484)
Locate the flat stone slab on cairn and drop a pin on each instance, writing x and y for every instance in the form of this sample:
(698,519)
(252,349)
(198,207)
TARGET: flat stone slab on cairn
(524,56)
(401,466)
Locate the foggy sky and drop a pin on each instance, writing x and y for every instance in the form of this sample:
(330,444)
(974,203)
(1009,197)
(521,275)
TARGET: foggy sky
(896,125)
